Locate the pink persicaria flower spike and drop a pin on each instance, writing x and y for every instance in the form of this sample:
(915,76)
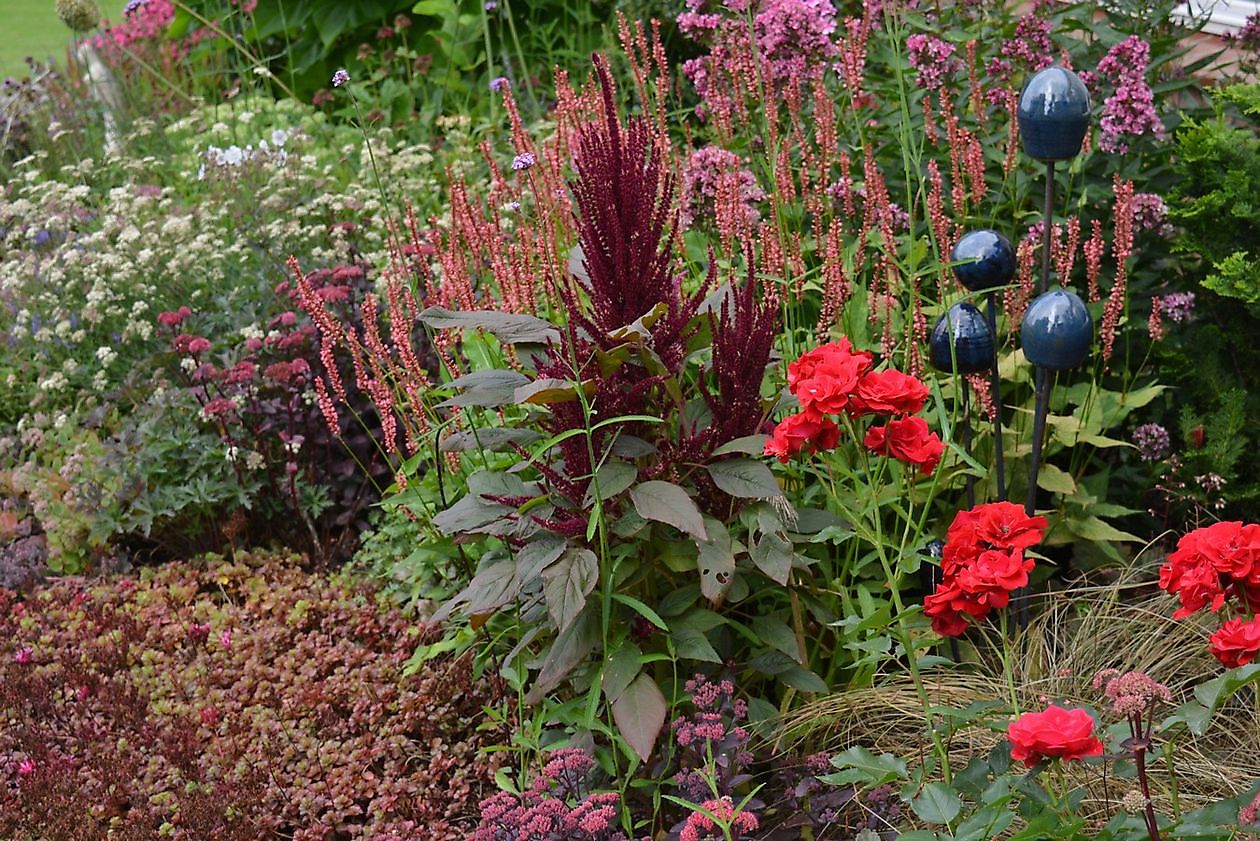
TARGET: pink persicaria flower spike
(23,655)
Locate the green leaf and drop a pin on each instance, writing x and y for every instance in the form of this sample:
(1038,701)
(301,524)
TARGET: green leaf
(773,554)
(641,609)
(549,390)
(568,649)
(1092,528)
(803,680)
(567,583)
(987,823)
(715,561)
(749,445)
(486,389)
(508,327)
(537,555)
(493,439)
(1055,480)
(639,713)
(1216,691)
(613,478)
(777,634)
(744,478)
(692,644)
(937,803)
(861,767)
(667,503)
(620,669)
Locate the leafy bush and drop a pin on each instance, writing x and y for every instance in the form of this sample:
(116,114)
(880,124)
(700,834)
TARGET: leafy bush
(230,699)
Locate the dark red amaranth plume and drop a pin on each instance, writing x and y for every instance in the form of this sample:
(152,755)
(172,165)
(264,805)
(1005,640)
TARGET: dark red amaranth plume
(627,227)
(743,337)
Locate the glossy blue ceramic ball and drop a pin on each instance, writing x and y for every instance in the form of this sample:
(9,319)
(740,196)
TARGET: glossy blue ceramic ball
(972,341)
(1053,114)
(985,260)
(1057,330)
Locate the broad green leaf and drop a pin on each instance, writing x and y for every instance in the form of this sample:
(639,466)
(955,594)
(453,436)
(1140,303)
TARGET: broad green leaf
(861,767)
(692,644)
(567,583)
(536,555)
(549,390)
(987,823)
(508,327)
(716,561)
(773,554)
(639,713)
(493,586)
(803,680)
(486,389)
(749,445)
(1092,528)
(493,439)
(744,478)
(937,803)
(613,478)
(667,503)
(568,649)
(1216,691)
(1055,480)
(775,633)
(620,669)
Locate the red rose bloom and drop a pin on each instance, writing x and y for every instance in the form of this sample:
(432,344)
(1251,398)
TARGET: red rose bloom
(796,433)
(908,440)
(1233,548)
(1237,642)
(994,525)
(982,564)
(888,392)
(1057,733)
(825,378)
(995,573)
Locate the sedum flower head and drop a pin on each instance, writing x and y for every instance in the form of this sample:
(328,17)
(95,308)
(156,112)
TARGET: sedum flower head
(79,15)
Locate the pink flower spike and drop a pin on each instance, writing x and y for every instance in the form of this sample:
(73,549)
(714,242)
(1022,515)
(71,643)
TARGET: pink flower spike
(23,655)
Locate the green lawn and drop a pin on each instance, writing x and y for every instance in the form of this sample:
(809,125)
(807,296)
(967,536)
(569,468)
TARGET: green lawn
(31,27)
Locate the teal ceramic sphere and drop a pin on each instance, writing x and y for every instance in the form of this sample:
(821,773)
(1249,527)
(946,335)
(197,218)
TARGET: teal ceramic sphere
(964,331)
(1053,114)
(1057,330)
(985,260)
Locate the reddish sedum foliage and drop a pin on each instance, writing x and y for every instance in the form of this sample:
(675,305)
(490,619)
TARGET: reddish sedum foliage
(231,701)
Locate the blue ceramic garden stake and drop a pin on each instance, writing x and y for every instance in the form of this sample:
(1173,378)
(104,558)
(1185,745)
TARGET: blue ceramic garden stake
(985,261)
(961,342)
(1053,116)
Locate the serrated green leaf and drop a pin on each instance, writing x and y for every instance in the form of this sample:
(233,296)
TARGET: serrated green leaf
(937,803)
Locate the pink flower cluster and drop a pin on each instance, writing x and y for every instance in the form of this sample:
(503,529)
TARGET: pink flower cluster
(1150,213)
(1132,694)
(791,39)
(1129,112)
(700,827)
(556,805)
(1030,49)
(710,173)
(933,59)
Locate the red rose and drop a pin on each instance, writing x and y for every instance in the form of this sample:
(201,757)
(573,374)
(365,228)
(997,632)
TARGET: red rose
(1237,642)
(940,607)
(908,440)
(996,572)
(1233,548)
(795,433)
(888,392)
(994,525)
(825,378)
(1057,733)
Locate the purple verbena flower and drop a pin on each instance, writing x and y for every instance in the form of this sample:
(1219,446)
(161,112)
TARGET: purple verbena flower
(1150,212)
(497,83)
(523,161)
(340,78)
(133,6)
(1152,441)
(1130,111)
(1178,306)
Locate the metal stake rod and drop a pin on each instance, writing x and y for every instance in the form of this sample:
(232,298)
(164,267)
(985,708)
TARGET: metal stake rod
(999,457)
